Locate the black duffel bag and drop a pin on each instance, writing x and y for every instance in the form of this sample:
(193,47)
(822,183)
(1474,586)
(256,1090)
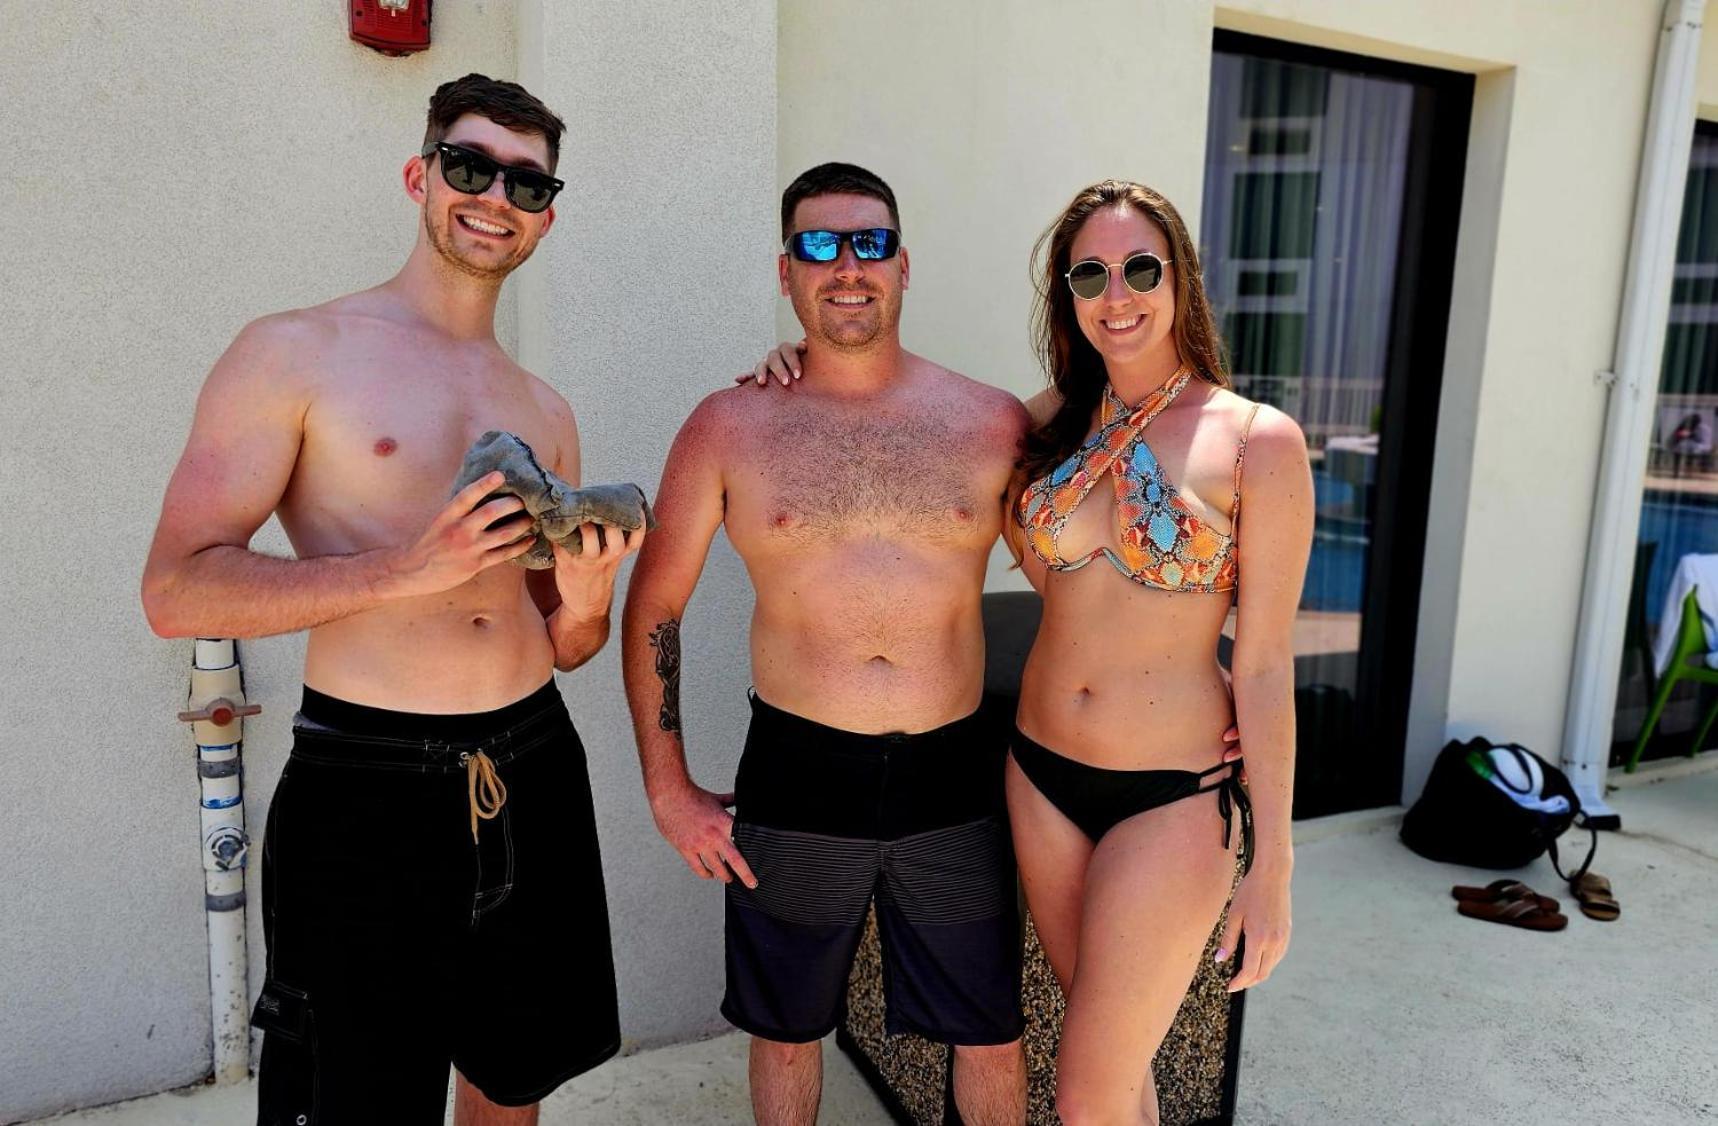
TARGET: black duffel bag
(1494,805)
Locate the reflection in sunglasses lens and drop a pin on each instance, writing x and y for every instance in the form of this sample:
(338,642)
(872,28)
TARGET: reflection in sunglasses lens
(1142,272)
(1088,280)
(528,195)
(868,244)
(466,174)
(820,246)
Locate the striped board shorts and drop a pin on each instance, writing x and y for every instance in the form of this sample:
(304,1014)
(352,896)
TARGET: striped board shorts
(832,821)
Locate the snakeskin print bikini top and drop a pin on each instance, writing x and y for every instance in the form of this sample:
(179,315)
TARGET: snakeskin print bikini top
(1164,543)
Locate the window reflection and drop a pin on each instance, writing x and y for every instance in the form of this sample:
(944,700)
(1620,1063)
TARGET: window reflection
(1679,507)
(1303,213)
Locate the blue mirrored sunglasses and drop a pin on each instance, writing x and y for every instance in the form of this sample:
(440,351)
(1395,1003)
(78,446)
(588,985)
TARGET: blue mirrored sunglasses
(872,244)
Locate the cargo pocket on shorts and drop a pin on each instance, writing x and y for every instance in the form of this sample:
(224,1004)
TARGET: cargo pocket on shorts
(286,1075)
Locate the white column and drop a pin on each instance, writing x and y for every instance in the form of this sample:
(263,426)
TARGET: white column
(1640,345)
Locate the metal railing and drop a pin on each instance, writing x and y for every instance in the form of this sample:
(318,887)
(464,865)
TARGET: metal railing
(1324,407)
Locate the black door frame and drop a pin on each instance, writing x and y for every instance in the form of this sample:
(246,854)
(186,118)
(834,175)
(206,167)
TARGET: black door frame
(1413,381)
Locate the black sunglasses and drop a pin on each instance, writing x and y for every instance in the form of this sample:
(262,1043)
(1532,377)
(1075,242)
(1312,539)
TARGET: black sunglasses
(1143,272)
(872,244)
(469,171)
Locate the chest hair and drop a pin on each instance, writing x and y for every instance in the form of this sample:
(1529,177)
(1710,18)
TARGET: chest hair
(857,475)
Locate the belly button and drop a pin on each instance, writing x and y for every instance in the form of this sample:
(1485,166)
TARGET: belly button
(480,622)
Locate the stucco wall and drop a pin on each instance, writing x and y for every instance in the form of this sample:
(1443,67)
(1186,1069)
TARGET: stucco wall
(173,170)
(656,288)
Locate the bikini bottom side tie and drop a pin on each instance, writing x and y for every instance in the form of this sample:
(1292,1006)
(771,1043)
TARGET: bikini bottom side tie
(1232,796)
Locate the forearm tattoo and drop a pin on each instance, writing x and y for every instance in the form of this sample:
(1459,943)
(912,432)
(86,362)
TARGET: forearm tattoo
(665,639)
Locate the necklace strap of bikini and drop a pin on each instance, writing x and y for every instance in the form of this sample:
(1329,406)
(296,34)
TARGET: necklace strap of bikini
(1154,404)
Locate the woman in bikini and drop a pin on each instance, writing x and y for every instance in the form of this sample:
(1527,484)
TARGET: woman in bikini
(1126,819)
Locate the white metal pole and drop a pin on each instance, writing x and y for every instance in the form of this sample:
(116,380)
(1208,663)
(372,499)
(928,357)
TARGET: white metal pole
(1633,396)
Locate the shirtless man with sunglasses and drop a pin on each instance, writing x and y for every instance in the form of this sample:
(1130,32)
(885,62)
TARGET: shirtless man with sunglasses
(864,504)
(433,830)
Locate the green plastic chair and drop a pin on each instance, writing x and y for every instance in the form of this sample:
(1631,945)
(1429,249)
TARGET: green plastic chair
(1690,643)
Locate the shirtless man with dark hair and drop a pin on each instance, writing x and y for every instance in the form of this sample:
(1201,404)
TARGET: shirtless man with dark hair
(865,503)
(432,834)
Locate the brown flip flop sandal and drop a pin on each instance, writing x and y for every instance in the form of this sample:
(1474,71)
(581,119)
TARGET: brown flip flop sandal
(1524,913)
(1499,890)
(1593,892)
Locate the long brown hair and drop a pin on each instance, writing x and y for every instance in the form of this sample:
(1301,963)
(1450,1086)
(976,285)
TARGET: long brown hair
(1074,367)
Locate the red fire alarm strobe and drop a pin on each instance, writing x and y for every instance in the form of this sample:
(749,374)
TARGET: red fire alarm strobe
(393,27)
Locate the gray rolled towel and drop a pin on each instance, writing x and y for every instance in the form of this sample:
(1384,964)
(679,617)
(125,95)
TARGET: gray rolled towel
(555,507)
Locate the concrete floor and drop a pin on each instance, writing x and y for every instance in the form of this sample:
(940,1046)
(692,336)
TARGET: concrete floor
(1390,1007)
(703,1082)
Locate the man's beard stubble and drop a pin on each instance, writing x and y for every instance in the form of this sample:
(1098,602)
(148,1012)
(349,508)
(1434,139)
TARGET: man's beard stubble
(856,338)
(441,240)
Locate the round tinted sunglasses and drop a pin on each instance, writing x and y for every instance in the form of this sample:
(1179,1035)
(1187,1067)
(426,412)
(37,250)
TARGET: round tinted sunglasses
(1143,272)
(469,171)
(872,244)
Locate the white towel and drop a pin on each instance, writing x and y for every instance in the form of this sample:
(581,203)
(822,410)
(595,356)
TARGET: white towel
(1698,573)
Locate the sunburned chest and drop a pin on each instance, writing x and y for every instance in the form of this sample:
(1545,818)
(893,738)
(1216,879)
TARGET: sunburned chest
(388,450)
(806,480)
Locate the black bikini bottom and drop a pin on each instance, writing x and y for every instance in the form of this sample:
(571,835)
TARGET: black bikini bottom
(1096,799)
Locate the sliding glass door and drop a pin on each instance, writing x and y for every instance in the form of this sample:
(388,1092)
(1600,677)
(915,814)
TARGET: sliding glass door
(1332,193)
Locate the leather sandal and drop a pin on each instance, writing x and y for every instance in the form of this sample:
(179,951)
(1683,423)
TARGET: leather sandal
(1524,913)
(1504,889)
(1593,892)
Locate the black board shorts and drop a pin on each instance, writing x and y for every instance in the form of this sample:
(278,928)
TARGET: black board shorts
(831,821)
(398,944)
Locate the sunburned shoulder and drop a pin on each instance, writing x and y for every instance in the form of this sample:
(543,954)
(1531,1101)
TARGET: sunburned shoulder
(353,312)
(278,353)
(722,415)
(981,401)
(550,401)
(290,330)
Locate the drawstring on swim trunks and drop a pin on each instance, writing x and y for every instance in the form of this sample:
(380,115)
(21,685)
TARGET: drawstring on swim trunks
(484,787)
